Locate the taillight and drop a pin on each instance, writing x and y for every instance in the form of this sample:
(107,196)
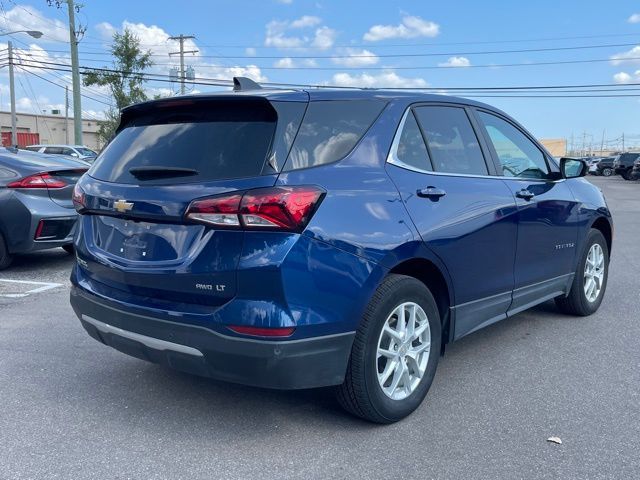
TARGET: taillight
(39,180)
(78,198)
(219,211)
(277,208)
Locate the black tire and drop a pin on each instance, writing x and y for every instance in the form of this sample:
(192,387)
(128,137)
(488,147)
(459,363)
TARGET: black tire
(361,393)
(576,303)
(627,175)
(5,257)
(68,248)
(606,172)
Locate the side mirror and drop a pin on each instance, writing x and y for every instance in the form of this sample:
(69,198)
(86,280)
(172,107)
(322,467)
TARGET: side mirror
(573,167)
(74,154)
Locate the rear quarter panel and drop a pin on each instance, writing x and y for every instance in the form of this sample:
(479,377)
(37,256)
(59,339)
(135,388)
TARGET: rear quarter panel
(363,218)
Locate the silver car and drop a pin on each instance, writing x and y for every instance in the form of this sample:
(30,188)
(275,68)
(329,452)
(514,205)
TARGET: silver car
(76,151)
(36,207)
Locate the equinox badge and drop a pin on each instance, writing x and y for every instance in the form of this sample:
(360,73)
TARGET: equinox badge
(122,206)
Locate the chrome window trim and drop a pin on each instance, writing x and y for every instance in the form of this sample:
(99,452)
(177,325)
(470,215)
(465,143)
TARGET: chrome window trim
(393,159)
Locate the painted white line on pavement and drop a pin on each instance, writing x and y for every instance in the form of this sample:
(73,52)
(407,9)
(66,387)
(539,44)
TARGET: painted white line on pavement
(43,286)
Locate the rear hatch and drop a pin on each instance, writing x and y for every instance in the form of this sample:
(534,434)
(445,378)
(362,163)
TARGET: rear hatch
(166,155)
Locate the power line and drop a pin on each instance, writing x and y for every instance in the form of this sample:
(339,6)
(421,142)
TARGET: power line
(425,67)
(409,45)
(61,86)
(431,54)
(585,93)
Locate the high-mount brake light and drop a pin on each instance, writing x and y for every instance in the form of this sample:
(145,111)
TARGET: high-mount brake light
(38,180)
(275,208)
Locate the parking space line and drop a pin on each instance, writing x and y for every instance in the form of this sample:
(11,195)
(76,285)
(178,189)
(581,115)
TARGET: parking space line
(40,287)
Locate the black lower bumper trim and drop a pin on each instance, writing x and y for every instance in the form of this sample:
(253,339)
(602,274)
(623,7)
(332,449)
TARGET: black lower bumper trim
(293,364)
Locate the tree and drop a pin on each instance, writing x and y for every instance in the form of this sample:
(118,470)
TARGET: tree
(125,79)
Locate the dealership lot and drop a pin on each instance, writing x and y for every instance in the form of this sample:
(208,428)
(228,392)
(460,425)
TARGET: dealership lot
(73,408)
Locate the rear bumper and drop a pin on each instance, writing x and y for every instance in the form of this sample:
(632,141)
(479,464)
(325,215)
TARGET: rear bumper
(293,364)
(22,213)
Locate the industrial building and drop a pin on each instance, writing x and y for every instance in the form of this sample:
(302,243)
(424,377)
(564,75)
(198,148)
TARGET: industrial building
(48,129)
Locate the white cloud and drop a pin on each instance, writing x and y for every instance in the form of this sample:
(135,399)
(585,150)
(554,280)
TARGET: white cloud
(106,30)
(284,63)
(635,18)
(156,39)
(630,56)
(275,36)
(324,38)
(279,35)
(353,57)
(410,27)
(286,2)
(250,51)
(305,21)
(388,79)
(25,17)
(456,62)
(624,77)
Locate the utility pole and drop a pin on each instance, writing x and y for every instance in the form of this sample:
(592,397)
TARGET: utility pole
(74,36)
(66,114)
(584,142)
(622,142)
(182,74)
(602,143)
(75,75)
(572,150)
(12,88)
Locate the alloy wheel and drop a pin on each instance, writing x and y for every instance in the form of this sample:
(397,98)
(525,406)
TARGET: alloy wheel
(403,350)
(594,272)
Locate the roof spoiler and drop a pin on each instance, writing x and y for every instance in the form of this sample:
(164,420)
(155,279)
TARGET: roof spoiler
(243,83)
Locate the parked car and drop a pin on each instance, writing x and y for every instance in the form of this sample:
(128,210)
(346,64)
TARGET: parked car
(635,173)
(76,151)
(36,209)
(299,239)
(623,164)
(604,167)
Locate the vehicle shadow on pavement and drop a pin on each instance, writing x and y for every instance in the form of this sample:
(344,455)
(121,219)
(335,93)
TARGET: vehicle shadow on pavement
(202,406)
(48,260)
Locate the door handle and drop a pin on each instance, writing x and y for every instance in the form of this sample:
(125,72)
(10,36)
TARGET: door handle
(431,192)
(524,194)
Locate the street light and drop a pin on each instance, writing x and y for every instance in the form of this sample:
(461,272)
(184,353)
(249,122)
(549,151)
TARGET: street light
(14,128)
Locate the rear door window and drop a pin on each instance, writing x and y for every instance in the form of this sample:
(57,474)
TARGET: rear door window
(452,142)
(412,151)
(330,130)
(53,150)
(214,141)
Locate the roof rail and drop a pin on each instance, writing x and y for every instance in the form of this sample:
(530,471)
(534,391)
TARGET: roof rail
(244,83)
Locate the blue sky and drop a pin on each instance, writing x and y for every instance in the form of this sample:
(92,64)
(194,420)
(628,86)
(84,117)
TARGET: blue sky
(364,35)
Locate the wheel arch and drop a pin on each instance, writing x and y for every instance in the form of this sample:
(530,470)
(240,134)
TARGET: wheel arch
(435,280)
(604,226)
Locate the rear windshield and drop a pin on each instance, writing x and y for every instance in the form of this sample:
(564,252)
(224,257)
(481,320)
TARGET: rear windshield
(86,152)
(202,142)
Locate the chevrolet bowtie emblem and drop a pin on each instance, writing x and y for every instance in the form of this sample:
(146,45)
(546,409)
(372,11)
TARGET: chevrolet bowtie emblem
(122,206)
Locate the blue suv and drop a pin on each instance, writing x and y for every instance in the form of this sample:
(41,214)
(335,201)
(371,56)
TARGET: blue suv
(295,239)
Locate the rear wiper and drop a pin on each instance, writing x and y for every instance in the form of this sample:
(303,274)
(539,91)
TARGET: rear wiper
(155,173)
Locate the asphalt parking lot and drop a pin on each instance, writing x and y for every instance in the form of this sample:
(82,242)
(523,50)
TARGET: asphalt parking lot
(73,408)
